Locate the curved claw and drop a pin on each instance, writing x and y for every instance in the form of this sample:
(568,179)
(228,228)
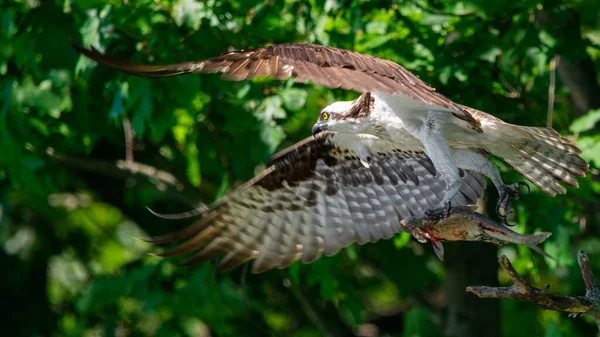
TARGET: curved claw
(502,203)
(506,222)
(508,192)
(447,206)
(522,183)
(503,216)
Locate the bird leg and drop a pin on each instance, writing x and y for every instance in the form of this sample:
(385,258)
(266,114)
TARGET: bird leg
(508,192)
(440,153)
(476,161)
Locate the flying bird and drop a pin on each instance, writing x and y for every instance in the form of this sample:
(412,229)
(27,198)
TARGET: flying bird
(397,106)
(397,112)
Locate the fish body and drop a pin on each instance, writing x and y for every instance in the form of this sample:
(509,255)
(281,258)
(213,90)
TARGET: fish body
(464,224)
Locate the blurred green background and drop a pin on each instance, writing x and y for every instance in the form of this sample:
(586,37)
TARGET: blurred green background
(72,201)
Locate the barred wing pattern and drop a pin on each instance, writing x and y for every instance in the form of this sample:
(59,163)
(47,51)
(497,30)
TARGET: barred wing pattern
(328,66)
(319,196)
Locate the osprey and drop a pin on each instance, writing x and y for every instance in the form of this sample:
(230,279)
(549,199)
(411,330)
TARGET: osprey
(399,149)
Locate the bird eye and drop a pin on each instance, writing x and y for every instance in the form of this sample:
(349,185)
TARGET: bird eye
(325,116)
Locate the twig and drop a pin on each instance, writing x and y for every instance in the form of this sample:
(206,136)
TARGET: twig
(552,90)
(310,311)
(574,305)
(219,144)
(163,180)
(212,129)
(128,140)
(592,292)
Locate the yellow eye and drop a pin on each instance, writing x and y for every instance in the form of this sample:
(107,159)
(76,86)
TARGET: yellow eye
(325,116)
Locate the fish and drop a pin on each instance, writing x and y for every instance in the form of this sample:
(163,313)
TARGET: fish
(464,224)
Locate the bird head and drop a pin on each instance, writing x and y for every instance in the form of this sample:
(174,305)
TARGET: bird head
(346,116)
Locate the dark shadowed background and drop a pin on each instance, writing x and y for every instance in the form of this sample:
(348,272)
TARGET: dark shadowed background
(84,150)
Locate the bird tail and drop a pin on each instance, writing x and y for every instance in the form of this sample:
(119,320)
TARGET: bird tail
(542,156)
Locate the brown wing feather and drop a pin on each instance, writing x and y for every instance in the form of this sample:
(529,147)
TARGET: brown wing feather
(328,66)
(317,197)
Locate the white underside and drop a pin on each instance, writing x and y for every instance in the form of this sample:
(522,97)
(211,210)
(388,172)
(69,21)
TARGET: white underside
(405,118)
(450,142)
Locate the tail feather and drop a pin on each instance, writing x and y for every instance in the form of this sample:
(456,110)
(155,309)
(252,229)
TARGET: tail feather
(563,154)
(544,157)
(561,170)
(538,177)
(553,138)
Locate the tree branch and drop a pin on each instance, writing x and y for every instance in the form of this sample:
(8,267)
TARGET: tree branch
(521,290)
(122,169)
(128,140)
(552,90)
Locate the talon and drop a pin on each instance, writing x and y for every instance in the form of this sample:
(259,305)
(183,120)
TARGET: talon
(508,192)
(447,209)
(523,183)
(440,212)
(506,222)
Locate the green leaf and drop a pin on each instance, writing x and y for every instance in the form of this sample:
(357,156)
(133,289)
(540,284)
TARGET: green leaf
(321,273)
(7,22)
(141,98)
(193,165)
(190,13)
(401,239)
(590,147)
(418,324)
(90,32)
(32,163)
(270,109)
(272,135)
(585,122)
(41,97)
(547,39)
(6,95)
(294,99)
(445,74)
(552,330)
(117,107)
(377,41)
(491,54)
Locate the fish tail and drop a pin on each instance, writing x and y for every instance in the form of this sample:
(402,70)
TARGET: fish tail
(532,241)
(537,238)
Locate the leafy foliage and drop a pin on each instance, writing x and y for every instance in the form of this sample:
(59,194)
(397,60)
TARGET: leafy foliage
(71,207)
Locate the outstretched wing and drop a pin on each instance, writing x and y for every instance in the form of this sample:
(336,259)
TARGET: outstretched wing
(320,195)
(328,66)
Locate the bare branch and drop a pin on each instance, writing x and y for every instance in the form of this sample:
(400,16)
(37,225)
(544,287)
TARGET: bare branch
(586,271)
(122,169)
(552,90)
(128,140)
(574,305)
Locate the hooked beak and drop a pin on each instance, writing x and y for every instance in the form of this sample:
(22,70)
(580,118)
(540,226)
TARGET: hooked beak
(318,128)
